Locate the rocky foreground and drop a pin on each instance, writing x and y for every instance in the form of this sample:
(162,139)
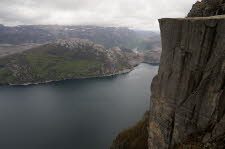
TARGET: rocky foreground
(65,59)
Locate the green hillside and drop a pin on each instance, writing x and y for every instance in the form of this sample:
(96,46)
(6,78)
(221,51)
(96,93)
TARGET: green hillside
(64,59)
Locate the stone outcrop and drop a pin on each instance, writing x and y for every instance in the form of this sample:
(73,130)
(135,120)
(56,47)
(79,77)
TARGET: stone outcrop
(188,94)
(207,8)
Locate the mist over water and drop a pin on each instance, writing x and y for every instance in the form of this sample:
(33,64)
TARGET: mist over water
(78,114)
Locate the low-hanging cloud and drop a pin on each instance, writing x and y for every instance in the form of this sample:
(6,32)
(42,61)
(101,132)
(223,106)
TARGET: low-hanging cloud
(137,14)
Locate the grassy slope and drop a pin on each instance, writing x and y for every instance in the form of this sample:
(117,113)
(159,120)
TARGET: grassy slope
(135,137)
(6,76)
(49,63)
(63,65)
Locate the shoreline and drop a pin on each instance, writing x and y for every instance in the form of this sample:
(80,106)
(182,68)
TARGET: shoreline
(153,64)
(81,78)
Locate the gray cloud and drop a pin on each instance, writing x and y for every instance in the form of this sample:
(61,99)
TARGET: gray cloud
(138,14)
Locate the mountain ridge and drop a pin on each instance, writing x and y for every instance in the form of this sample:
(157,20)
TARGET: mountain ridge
(65,59)
(107,36)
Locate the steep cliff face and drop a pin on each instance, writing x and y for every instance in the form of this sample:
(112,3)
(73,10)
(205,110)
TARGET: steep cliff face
(188,94)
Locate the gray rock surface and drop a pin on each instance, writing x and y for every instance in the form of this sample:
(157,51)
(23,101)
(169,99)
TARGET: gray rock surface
(207,8)
(188,94)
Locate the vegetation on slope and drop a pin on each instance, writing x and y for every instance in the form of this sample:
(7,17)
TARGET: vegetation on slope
(135,137)
(194,142)
(61,60)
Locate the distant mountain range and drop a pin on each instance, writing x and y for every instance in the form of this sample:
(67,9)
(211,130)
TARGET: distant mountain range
(107,36)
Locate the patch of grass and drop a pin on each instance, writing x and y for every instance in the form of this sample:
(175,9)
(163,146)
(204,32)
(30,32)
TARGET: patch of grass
(79,68)
(53,64)
(6,76)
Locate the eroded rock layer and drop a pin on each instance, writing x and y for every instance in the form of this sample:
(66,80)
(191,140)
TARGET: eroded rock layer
(188,94)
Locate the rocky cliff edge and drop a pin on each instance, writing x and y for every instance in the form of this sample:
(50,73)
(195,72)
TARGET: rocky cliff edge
(188,94)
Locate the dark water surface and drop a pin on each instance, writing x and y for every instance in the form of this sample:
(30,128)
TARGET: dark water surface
(78,114)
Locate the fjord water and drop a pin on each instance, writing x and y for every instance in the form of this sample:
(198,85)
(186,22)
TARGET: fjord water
(73,114)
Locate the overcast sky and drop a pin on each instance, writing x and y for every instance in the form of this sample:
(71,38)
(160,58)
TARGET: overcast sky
(137,14)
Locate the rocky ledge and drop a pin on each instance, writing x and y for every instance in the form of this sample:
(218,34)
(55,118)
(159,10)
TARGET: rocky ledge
(188,94)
